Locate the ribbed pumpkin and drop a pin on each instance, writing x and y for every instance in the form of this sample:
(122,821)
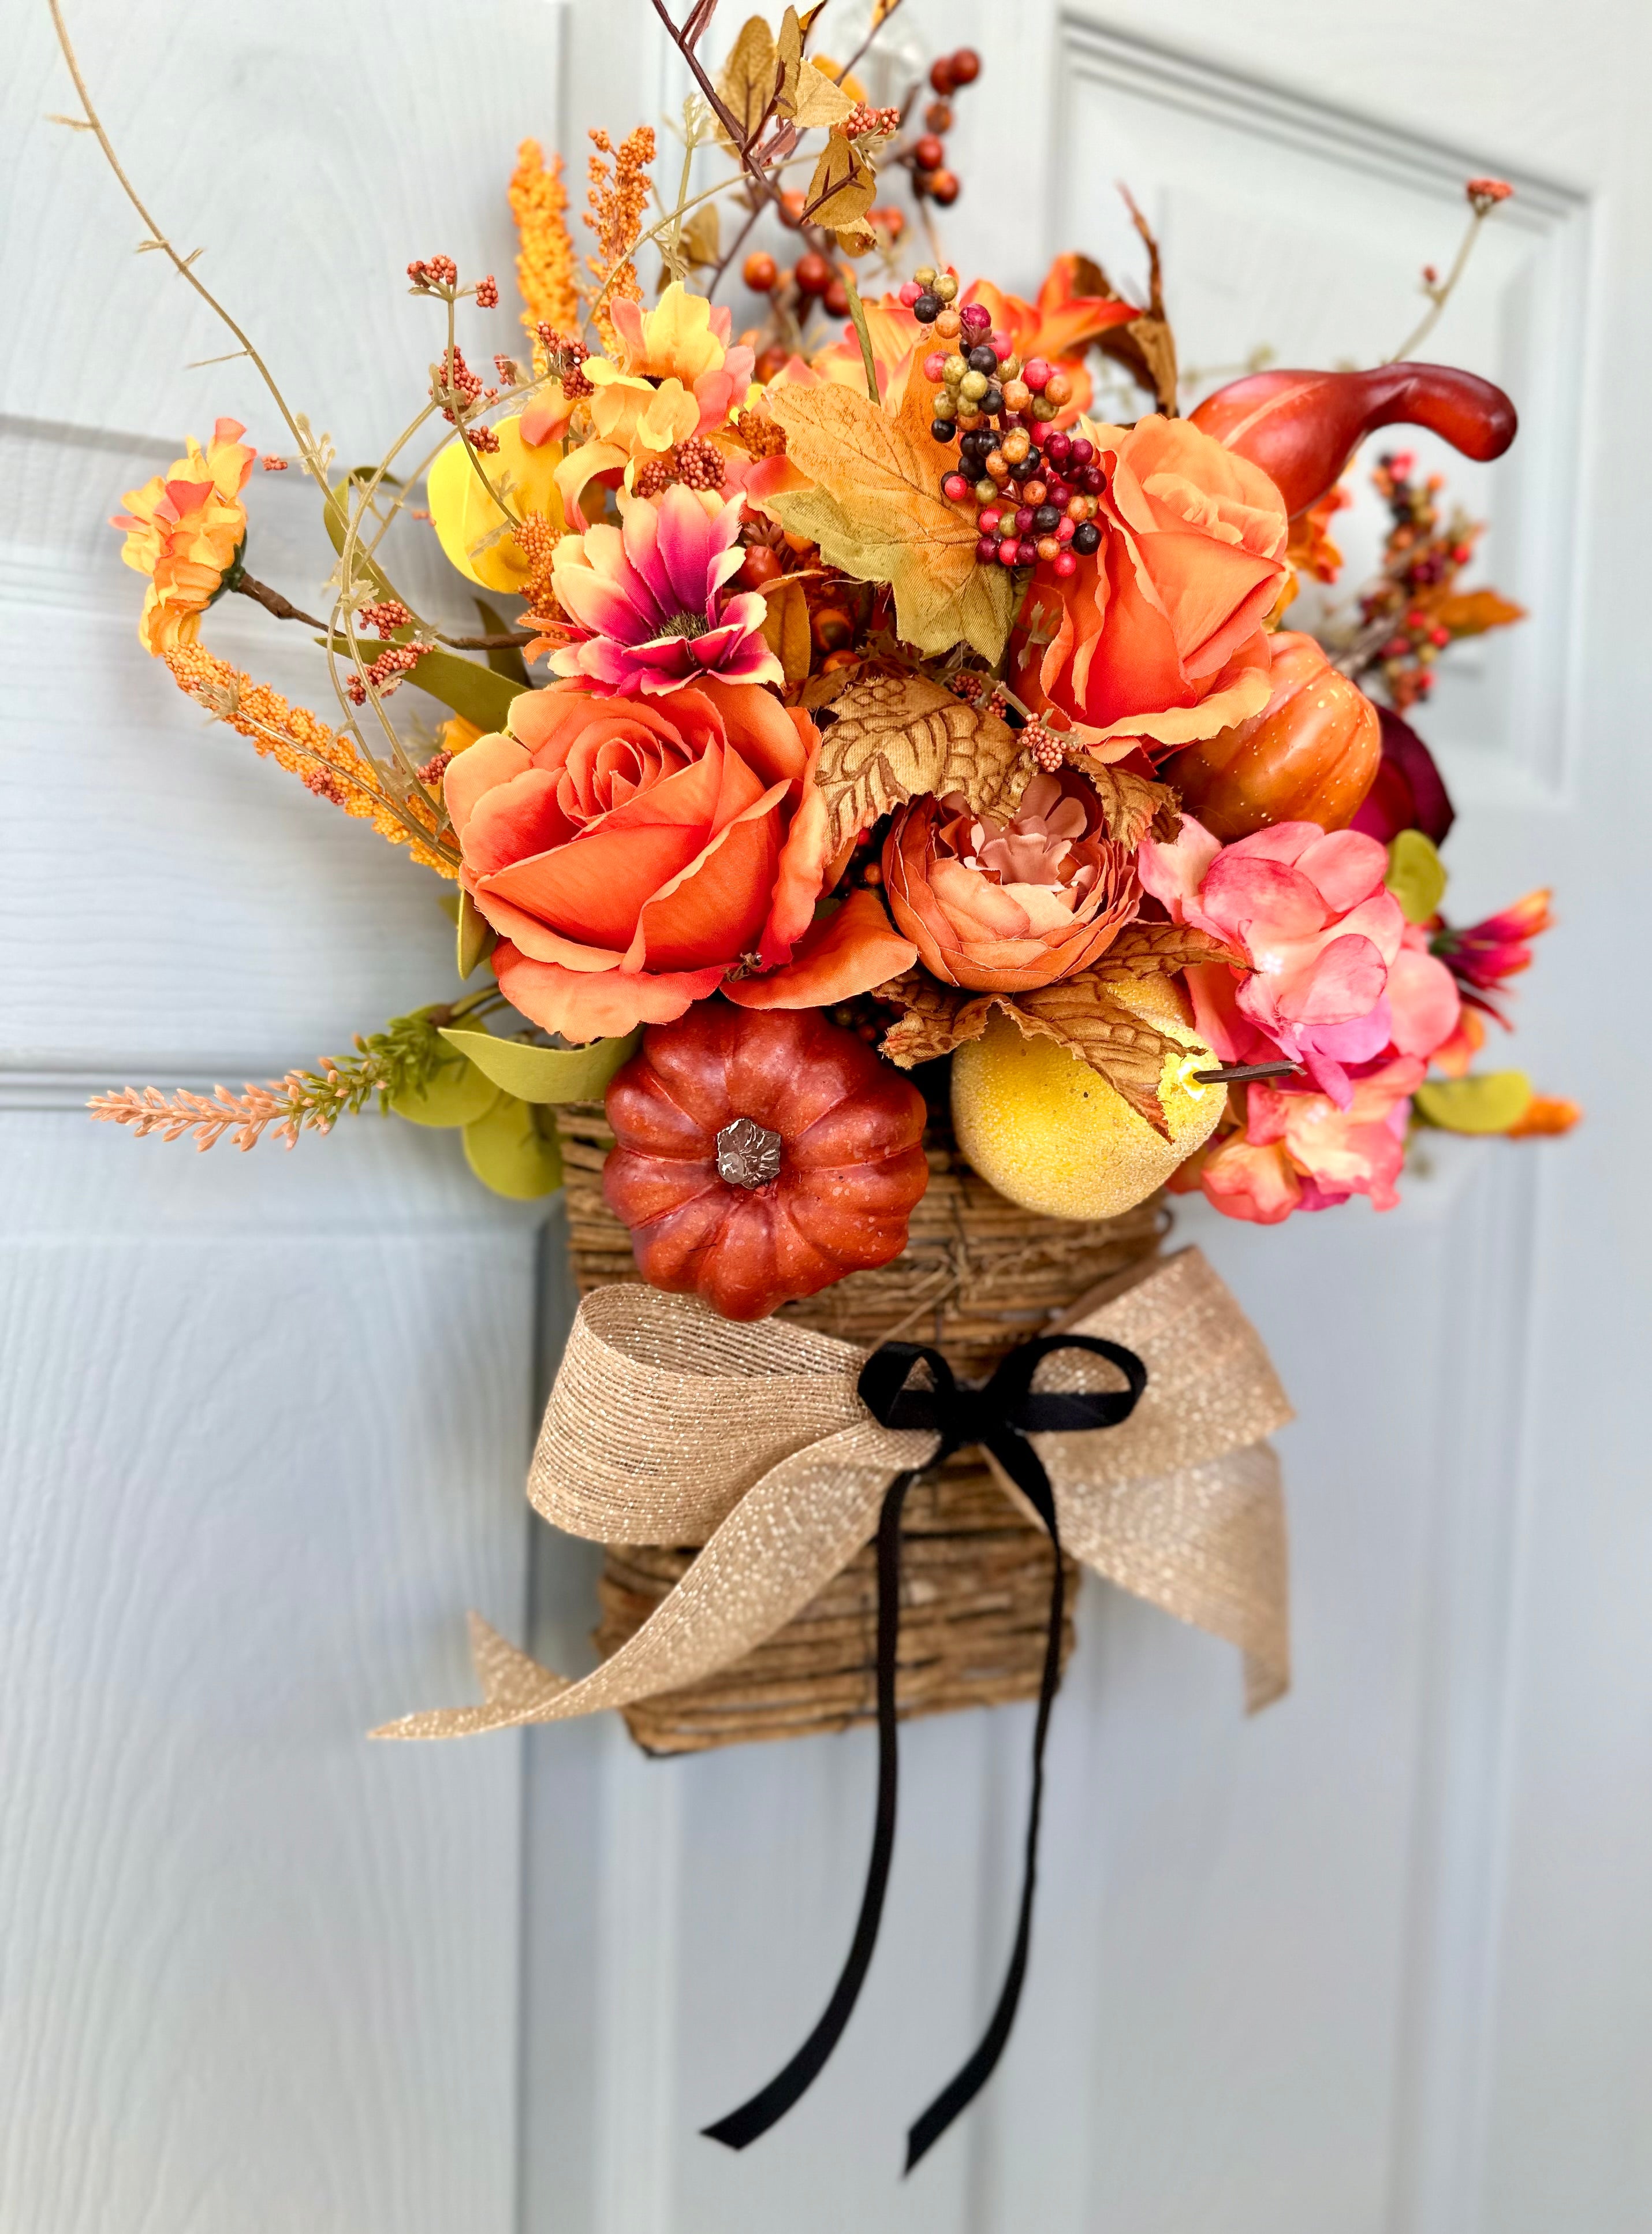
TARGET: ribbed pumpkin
(761,1155)
(1310,755)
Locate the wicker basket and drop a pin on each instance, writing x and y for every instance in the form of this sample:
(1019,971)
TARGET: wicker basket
(978,1276)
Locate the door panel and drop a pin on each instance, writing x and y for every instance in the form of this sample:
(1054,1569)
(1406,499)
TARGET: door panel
(1374,1962)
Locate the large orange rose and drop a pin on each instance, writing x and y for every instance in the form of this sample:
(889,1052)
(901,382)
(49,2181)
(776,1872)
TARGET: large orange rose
(1157,636)
(630,855)
(1002,907)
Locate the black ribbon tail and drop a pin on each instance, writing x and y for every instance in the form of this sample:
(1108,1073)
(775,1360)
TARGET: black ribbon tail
(1021,1462)
(770,2104)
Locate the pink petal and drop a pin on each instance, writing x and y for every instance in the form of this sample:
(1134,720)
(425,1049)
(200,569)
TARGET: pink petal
(1346,866)
(1263,903)
(1174,874)
(1424,997)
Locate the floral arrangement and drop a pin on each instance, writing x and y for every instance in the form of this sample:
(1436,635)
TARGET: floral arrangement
(861,736)
(851,669)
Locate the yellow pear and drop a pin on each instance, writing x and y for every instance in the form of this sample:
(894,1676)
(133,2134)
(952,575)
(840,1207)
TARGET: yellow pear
(1049,1132)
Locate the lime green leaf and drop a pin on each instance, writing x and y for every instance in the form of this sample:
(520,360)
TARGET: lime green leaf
(509,1152)
(477,939)
(335,510)
(449,903)
(1489,1103)
(1416,876)
(542,1073)
(456,1093)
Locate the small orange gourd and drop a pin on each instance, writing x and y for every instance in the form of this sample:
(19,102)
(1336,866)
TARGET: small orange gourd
(760,1154)
(1310,755)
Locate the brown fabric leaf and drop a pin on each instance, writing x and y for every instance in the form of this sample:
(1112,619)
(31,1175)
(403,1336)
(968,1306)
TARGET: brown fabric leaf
(785,627)
(845,185)
(1146,347)
(898,735)
(1472,612)
(1081,1013)
(1157,949)
(1130,803)
(750,75)
(935,1018)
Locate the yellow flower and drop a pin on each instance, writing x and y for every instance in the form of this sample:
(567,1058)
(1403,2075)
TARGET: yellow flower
(183,530)
(470,526)
(682,335)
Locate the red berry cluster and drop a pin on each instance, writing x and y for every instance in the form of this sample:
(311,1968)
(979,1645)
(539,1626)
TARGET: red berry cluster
(811,280)
(430,273)
(385,674)
(566,354)
(1422,557)
(384,617)
(864,123)
(931,176)
(1038,487)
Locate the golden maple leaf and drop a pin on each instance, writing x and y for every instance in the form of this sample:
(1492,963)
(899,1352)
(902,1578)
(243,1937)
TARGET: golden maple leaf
(876,511)
(1472,612)
(898,735)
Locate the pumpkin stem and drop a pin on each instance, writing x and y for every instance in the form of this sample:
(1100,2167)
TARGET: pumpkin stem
(748,1154)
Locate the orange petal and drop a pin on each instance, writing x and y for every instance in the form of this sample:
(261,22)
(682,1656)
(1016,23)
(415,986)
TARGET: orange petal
(604,1004)
(844,953)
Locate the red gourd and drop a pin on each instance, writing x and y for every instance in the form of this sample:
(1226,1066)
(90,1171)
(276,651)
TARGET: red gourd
(1302,427)
(761,1154)
(1310,755)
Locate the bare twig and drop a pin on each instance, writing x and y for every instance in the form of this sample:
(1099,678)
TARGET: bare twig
(271,600)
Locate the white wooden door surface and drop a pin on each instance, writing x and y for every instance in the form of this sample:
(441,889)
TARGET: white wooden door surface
(1375,1963)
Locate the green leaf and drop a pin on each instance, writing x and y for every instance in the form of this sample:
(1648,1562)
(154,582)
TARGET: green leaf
(1489,1103)
(542,1073)
(477,938)
(461,685)
(511,1154)
(504,659)
(1416,876)
(476,692)
(457,1093)
(449,903)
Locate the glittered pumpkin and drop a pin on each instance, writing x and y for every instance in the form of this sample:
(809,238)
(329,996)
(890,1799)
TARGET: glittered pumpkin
(1310,755)
(760,1155)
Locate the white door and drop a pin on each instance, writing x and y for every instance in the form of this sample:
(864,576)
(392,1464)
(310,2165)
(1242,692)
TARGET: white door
(1375,1963)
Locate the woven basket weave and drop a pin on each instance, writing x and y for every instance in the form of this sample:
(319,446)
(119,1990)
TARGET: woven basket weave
(978,1276)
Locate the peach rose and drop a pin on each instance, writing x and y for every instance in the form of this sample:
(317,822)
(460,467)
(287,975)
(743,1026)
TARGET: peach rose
(1157,636)
(1002,907)
(630,855)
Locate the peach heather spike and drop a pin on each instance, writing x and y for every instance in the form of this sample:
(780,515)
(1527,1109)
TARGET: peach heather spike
(1302,427)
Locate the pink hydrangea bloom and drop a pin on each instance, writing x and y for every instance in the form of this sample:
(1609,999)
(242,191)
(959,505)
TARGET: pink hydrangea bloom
(648,604)
(1303,1152)
(1333,976)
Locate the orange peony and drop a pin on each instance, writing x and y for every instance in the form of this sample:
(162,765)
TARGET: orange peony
(1158,637)
(184,529)
(630,855)
(1002,907)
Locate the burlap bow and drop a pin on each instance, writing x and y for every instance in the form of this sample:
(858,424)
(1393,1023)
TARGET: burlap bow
(669,1424)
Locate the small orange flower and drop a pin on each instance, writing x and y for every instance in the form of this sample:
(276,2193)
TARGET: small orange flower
(183,530)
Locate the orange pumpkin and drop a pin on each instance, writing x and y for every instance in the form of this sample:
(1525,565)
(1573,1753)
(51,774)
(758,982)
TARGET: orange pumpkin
(1310,755)
(760,1155)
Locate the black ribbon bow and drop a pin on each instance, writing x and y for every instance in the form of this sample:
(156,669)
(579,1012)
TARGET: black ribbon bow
(1000,1417)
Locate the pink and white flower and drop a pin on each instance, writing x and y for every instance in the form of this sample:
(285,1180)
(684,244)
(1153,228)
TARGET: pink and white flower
(647,600)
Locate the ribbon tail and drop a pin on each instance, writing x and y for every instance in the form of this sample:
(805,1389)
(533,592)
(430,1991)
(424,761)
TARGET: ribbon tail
(796,1528)
(1020,1461)
(770,2104)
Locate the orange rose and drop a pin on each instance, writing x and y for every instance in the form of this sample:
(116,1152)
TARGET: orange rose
(630,855)
(1157,636)
(1002,907)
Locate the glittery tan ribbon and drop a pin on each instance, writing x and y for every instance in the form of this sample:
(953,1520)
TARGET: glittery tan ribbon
(669,1424)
